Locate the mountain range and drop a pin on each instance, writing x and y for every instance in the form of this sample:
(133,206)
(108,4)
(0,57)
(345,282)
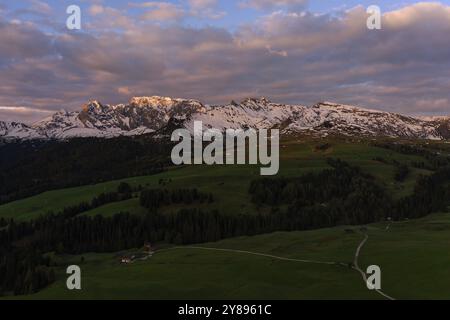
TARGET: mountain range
(144,115)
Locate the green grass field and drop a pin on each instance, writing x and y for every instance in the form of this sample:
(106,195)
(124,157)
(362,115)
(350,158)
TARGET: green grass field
(413,256)
(229,184)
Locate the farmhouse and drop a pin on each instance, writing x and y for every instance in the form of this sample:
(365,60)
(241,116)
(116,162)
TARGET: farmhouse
(127,259)
(138,256)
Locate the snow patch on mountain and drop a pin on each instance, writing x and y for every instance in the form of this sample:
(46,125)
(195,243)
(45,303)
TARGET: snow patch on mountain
(15,130)
(144,115)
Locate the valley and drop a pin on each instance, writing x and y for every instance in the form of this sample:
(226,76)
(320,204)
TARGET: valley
(255,264)
(230,183)
(213,157)
(412,256)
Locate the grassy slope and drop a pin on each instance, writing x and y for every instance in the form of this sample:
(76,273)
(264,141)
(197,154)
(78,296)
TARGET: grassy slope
(198,274)
(132,206)
(413,257)
(229,184)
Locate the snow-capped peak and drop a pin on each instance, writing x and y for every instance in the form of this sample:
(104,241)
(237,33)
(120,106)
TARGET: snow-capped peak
(154,113)
(158,102)
(16,130)
(94,106)
(261,100)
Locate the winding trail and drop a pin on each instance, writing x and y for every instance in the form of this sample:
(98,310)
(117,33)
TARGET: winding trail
(262,255)
(363,274)
(355,266)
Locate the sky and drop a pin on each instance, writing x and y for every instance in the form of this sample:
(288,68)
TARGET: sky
(290,51)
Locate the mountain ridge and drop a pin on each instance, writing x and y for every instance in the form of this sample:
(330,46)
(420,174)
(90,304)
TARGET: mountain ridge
(143,115)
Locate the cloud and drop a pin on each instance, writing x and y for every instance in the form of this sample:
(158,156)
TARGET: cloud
(205,8)
(161,11)
(96,9)
(172,12)
(125,91)
(35,8)
(291,5)
(22,40)
(26,114)
(281,53)
(290,57)
(108,18)
(15,109)
(202,4)
(40,7)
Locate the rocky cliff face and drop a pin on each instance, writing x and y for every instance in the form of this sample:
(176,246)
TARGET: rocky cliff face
(150,114)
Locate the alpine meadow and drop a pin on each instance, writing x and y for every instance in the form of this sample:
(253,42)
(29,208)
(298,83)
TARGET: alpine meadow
(217,159)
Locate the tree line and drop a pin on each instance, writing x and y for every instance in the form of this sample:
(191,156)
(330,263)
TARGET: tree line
(365,204)
(434,159)
(24,271)
(155,198)
(32,167)
(124,192)
(342,196)
(345,195)
(339,195)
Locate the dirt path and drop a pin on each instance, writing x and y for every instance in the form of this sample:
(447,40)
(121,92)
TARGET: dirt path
(363,274)
(262,255)
(356,266)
